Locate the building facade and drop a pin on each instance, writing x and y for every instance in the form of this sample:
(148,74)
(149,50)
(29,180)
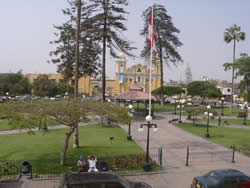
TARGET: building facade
(124,78)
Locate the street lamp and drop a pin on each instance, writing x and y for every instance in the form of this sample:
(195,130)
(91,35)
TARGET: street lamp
(222,105)
(208,115)
(189,104)
(147,166)
(66,95)
(245,105)
(7,95)
(180,105)
(175,100)
(130,114)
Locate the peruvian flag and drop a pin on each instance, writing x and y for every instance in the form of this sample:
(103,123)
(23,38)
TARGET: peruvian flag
(151,35)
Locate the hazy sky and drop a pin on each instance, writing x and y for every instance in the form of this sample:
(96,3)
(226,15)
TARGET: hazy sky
(27,28)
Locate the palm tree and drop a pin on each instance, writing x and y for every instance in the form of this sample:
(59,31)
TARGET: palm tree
(233,34)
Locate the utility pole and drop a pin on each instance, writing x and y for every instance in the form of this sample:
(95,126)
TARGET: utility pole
(104,51)
(78,3)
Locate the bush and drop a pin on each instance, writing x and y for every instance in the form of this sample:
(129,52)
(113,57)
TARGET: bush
(241,114)
(131,162)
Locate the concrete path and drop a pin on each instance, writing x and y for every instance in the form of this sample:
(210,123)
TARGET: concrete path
(174,142)
(18,131)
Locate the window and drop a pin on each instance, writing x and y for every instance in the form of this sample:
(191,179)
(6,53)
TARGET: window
(228,90)
(139,79)
(139,70)
(72,82)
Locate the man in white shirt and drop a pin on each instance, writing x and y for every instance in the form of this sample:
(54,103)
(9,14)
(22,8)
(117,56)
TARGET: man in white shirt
(92,163)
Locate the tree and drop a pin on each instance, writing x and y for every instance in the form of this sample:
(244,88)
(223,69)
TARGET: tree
(106,26)
(203,89)
(64,54)
(233,34)
(242,69)
(77,52)
(169,91)
(62,88)
(43,86)
(194,111)
(14,83)
(167,40)
(68,113)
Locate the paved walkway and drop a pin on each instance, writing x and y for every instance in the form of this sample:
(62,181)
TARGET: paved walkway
(174,142)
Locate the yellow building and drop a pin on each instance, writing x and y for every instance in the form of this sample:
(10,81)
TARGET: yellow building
(124,78)
(83,82)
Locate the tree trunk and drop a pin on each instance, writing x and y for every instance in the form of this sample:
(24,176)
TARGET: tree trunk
(232,97)
(76,140)
(104,52)
(65,146)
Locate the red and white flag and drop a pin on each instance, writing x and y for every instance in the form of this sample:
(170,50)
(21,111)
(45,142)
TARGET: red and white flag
(151,35)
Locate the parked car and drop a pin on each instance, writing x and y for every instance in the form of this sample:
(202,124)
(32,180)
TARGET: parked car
(223,178)
(97,180)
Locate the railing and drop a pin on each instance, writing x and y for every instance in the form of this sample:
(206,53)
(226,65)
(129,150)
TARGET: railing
(120,164)
(210,156)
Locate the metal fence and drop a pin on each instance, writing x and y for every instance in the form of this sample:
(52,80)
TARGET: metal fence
(120,164)
(210,156)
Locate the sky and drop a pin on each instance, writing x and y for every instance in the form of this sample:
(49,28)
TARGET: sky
(27,28)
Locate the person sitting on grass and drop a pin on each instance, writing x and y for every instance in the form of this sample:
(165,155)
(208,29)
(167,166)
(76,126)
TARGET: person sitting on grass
(92,163)
(81,164)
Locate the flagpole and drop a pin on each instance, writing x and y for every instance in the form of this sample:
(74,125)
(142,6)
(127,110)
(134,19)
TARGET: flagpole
(150,63)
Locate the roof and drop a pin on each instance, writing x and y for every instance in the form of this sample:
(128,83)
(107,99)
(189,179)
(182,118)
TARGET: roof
(229,172)
(85,177)
(134,93)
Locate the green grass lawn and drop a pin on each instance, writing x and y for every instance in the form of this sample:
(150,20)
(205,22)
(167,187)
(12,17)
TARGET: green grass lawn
(157,107)
(221,135)
(4,124)
(226,111)
(44,149)
(230,121)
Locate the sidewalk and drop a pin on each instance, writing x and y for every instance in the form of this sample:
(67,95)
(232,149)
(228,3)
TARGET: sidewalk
(174,142)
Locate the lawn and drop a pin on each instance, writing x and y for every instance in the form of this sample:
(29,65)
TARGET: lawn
(157,107)
(230,121)
(226,111)
(44,149)
(221,135)
(4,124)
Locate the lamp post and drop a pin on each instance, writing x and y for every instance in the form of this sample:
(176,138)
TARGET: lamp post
(180,105)
(147,166)
(245,116)
(130,114)
(189,104)
(208,115)
(222,105)
(66,95)
(7,95)
(175,104)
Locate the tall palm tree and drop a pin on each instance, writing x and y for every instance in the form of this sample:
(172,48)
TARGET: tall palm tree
(233,34)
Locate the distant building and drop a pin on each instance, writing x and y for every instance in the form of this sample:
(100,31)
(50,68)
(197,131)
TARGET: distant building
(124,79)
